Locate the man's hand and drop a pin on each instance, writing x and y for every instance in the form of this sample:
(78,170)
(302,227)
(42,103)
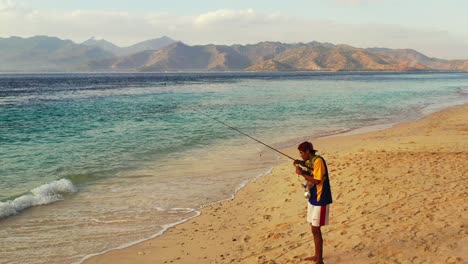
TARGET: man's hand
(298,170)
(299,162)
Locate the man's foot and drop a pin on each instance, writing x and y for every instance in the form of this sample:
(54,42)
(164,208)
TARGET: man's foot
(314,259)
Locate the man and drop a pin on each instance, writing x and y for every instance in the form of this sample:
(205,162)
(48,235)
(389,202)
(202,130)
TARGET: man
(316,172)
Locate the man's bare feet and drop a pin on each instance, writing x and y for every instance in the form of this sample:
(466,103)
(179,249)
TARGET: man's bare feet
(314,259)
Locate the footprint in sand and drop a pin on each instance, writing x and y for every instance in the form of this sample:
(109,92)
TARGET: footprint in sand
(359,247)
(293,246)
(275,235)
(283,226)
(453,260)
(271,209)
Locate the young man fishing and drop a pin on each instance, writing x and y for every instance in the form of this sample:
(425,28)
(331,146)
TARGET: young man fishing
(316,172)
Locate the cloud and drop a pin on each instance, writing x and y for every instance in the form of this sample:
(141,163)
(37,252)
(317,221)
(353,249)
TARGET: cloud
(76,25)
(225,16)
(223,26)
(6,5)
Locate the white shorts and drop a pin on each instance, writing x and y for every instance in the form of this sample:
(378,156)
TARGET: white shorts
(318,215)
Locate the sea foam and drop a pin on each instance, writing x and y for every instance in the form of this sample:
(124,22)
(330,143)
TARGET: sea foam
(44,194)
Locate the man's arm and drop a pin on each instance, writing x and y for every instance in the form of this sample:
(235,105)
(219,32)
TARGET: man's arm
(306,175)
(319,170)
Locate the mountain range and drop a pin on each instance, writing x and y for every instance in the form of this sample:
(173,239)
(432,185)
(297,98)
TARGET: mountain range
(152,44)
(42,53)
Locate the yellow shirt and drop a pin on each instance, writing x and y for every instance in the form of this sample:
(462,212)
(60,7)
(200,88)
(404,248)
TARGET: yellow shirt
(318,172)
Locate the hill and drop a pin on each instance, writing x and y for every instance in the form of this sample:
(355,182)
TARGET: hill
(43,54)
(276,56)
(152,44)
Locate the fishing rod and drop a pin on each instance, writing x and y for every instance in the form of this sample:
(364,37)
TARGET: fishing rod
(235,129)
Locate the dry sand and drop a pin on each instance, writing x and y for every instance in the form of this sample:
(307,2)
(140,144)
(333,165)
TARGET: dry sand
(400,196)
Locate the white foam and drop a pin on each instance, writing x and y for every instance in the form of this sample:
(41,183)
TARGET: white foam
(185,210)
(111,222)
(44,194)
(164,229)
(239,187)
(244,183)
(176,209)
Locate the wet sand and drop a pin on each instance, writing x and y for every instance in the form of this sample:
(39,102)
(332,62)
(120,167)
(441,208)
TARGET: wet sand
(399,197)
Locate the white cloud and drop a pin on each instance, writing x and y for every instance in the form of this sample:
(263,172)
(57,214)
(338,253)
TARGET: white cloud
(6,5)
(11,6)
(225,16)
(76,25)
(242,19)
(222,27)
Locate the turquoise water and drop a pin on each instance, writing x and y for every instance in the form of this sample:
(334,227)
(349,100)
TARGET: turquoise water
(52,130)
(76,136)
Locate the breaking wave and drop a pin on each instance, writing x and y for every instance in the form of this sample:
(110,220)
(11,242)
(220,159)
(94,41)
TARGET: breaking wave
(44,194)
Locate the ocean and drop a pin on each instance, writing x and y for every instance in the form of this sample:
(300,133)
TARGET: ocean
(93,162)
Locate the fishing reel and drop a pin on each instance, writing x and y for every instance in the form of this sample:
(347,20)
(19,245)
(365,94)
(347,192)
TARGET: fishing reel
(307,190)
(306,185)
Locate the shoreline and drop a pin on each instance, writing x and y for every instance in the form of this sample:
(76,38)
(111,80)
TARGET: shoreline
(242,185)
(197,211)
(285,145)
(149,158)
(94,258)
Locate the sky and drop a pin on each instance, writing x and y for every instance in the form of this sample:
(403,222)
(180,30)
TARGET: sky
(437,28)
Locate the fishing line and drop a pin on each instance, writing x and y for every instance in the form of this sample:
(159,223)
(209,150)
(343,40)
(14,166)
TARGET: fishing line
(237,130)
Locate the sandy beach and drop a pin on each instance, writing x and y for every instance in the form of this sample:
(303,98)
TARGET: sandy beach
(399,197)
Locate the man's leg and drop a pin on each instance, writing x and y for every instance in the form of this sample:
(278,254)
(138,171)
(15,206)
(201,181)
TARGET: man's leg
(318,241)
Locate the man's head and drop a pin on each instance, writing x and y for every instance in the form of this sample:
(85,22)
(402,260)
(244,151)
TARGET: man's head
(306,149)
